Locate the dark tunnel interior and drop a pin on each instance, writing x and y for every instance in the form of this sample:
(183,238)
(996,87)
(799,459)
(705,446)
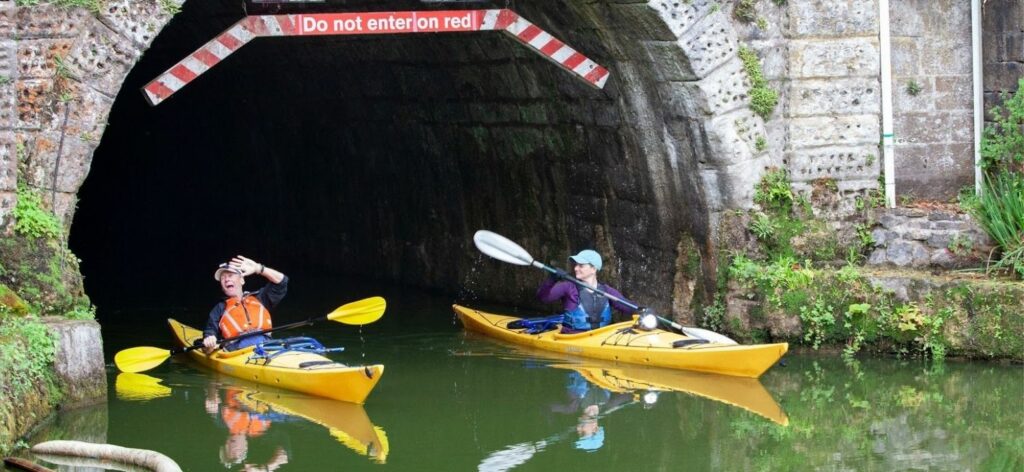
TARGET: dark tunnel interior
(373,157)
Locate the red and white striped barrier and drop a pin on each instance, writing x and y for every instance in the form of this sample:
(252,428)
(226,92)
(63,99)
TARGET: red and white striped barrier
(401,22)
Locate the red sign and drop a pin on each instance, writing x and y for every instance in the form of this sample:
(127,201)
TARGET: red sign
(388,22)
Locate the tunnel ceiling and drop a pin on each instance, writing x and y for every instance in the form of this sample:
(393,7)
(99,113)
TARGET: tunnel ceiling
(369,156)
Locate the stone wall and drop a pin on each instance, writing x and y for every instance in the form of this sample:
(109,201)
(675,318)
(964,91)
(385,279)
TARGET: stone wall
(1003,48)
(919,238)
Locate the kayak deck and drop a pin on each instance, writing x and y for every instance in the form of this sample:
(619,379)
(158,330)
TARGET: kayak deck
(298,371)
(622,343)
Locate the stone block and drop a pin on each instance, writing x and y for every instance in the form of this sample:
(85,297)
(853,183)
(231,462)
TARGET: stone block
(834,58)
(1002,76)
(8,105)
(906,18)
(669,61)
(732,187)
(7,202)
(829,18)
(904,101)
(88,112)
(102,58)
(641,22)
(8,162)
(847,96)
(709,44)
(834,130)
(934,171)
(138,21)
(906,57)
(79,361)
(837,162)
(933,128)
(682,16)
(8,59)
(723,91)
(954,92)
(33,97)
(731,138)
(948,56)
(37,59)
(46,21)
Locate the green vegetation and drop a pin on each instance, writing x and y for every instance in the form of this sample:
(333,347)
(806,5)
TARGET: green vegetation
(762,98)
(913,88)
(1000,207)
(745,11)
(94,6)
(31,219)
(170,7)
(760,144)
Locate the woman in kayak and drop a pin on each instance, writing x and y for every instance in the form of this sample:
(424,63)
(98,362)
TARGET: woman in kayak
(243,312)
(582,309)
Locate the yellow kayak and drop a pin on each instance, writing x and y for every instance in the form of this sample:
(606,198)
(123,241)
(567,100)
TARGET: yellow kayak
(298,371)
(621,342)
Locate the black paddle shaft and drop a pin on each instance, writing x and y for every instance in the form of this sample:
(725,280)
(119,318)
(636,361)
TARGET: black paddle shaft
(298,324)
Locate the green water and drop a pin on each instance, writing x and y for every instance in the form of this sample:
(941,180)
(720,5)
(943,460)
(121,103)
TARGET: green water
(449,401)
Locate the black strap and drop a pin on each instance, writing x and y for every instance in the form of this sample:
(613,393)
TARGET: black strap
(689,342)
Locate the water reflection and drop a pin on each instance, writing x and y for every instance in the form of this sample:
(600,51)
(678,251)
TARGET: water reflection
(251,416)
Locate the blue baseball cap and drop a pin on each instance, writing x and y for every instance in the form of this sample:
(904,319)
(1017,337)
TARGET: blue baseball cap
(588,256)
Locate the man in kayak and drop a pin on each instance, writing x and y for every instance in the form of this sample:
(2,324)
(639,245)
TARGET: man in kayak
(582,309)
(243,312)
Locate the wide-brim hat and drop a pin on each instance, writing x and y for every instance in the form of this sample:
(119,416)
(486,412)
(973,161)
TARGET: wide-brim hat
(225,267)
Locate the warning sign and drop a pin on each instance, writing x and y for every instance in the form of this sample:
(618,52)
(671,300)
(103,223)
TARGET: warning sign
(389,22)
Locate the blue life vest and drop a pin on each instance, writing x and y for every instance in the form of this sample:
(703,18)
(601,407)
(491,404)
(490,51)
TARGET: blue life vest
(579,320)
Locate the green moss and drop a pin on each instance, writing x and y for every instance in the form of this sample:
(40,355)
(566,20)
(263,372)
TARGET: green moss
(762,98)
(11,303)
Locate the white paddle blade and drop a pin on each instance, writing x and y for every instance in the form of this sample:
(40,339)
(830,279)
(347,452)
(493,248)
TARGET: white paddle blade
(711,336)
(501,248)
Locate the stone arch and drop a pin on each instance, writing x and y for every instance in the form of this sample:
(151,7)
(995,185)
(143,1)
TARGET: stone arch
(678,99)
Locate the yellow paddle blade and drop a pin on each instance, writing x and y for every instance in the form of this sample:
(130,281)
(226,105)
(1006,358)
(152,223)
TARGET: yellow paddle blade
(138,359)
(359,312)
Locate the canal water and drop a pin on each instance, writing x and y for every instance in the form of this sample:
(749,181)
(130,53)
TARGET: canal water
(452,401)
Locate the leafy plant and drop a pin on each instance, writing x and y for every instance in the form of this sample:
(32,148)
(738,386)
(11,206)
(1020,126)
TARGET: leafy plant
(762,23)
(745,11)
(913,88)
(1002,144)
(760,144)
(31,219)
(1000,210)
(763,227)
(170,7)
(773,192)
(817,320)
(960,245)
(714,316)
(853,322)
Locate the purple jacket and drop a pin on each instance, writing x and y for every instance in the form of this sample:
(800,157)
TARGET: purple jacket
(551,290)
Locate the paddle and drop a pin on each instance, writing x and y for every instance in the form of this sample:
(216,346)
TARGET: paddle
(504,249)
(361,312)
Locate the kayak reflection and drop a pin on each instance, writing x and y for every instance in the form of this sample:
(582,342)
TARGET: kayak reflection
(745,393)
(251,413)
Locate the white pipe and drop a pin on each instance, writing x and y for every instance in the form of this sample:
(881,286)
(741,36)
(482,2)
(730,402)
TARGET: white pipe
(886,71)
(979,90)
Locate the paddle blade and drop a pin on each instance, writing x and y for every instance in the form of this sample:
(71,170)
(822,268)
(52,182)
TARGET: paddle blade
(139,359)
(501,248)
(359,312)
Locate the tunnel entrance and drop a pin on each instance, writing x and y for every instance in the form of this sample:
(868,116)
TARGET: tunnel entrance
(376,157)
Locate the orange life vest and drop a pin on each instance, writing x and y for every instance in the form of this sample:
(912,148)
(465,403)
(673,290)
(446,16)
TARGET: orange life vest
(243,316)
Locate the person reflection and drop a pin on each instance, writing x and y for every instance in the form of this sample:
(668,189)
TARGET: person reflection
(244,420)
(589,401)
